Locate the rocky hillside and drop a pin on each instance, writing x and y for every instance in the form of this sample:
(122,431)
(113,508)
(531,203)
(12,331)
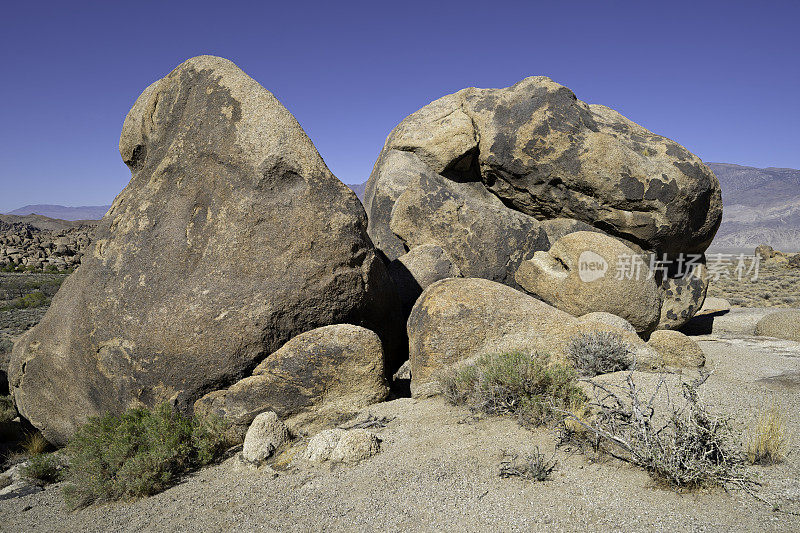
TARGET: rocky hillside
(39,242)
(762,206)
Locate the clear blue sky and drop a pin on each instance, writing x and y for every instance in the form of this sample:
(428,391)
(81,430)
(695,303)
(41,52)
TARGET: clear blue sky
(721,78)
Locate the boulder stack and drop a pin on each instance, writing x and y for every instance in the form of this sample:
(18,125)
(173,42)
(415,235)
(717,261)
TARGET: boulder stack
(480,173)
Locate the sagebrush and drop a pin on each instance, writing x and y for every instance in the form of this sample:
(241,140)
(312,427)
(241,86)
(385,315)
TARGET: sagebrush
(138,453)
(600,352)
(532,387)
(46,468)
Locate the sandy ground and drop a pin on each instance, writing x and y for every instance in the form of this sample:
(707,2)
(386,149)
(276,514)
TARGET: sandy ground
(438,471)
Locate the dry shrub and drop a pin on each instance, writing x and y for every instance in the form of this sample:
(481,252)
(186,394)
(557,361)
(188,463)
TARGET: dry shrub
(34,444)
(599,352)
(768,440)
(531,387)
(534,466)
(687,446)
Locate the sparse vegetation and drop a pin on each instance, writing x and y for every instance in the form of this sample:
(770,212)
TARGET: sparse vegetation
(138,453)
(534,466)
(29,301)
(7,411)
(600,352)
(34,444)
(687,446)
(46,468)
(530,386)
(769,440)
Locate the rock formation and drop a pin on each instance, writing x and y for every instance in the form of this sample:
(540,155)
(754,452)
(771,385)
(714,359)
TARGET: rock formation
(231,238)
(457,319)
(457,169)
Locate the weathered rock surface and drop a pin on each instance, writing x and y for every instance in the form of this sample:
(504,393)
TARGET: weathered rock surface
(609,319)
(413,272)
(683,291)
(265,435)
(782,325)
(481,236)
(674,349)
(456,320)
(317,379)
(587,272)
(540,151)
(231,238)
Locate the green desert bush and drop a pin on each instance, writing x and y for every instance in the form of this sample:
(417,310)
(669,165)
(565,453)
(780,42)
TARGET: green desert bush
(46,468)
(29,301)
(138,453)
(530,386)
(599,352)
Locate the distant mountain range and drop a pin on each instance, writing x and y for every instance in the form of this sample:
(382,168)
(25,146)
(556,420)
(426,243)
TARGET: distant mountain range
(761,206)
(88,212)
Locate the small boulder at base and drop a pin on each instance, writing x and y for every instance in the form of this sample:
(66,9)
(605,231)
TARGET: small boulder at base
(782,325)
(765,252)
(342,446)
(231,238)
(265,435)
(675,350)
(319,378)
(587,272)
(459,319)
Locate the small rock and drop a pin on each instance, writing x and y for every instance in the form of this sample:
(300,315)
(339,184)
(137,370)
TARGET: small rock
(355,446)
(265,435)
(322,444)
(675,350)
(608,319)
(342,446)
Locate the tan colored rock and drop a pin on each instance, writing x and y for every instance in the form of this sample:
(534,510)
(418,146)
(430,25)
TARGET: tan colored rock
(582,274)
(342,446)
(319,378)
(675,350)
(265,435)
(542,152)
(231,238)
(456,320)
(782,325)
(413,272)
(608,319)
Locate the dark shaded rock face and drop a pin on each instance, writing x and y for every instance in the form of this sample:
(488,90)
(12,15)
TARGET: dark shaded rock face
(533,152)
(231,238)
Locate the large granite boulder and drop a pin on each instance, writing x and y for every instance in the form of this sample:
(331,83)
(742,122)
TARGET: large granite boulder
(586,272)
(456,320)
(538,150)
(413,272)
(231,238)
(684,284)
(318,379)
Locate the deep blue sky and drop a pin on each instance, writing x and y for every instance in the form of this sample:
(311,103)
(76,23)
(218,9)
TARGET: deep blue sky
(721,78)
